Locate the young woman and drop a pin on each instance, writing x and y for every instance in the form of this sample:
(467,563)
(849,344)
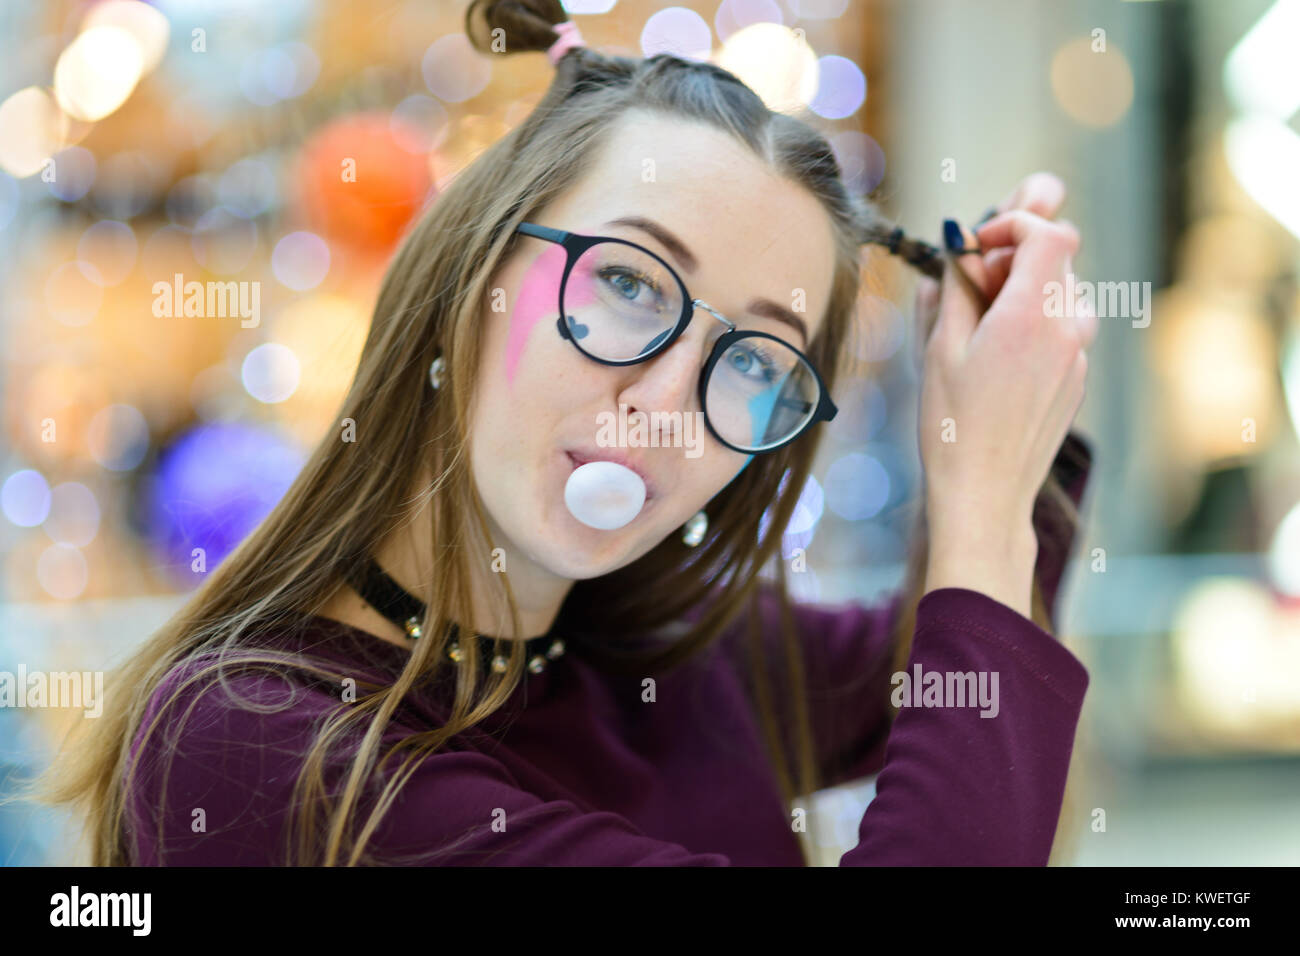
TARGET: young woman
(423,656)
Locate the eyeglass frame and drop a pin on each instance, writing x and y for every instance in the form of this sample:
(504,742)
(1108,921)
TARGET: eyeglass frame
(575,244)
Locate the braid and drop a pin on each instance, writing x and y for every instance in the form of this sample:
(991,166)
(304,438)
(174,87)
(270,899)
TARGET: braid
(915,252)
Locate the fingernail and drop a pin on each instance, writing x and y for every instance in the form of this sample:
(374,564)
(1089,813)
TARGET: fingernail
(988,214)
(958,239)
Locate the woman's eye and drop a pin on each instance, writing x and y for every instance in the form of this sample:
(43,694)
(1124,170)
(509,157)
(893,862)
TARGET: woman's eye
(753,363)
(629,284)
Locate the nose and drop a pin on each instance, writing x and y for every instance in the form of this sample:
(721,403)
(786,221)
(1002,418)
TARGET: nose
(670,381)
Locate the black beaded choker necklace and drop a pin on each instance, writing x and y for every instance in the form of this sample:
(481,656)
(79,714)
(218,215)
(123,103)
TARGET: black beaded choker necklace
(407,611)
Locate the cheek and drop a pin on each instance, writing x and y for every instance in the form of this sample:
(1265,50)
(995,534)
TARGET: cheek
(538,296)
(743,466)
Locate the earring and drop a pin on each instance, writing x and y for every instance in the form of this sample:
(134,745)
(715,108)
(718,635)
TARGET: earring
(693,530)
(435,372)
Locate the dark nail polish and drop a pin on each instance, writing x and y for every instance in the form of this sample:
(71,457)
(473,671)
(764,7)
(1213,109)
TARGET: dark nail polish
(988,214)
(959,240)
(952,236)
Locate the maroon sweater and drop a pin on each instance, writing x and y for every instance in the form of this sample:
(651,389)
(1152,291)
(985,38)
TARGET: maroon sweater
(578,769)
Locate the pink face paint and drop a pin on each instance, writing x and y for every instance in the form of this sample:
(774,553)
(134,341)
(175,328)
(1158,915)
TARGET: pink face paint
(539,296)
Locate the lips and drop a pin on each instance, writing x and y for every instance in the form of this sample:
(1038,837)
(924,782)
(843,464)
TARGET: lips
(582,456)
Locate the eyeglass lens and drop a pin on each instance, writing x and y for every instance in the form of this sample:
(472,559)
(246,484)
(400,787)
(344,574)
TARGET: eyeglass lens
(620,303)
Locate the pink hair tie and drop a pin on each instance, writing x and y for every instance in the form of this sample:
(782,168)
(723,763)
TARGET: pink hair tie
(569,38)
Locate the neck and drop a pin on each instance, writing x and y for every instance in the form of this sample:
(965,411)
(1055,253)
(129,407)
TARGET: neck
(407,556)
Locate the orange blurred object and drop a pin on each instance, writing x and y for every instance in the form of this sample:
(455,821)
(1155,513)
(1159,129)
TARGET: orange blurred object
(357,185)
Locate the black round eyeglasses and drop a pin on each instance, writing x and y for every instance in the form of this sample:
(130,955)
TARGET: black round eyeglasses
(620,304)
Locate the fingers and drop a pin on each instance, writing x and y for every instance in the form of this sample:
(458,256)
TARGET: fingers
(965,248)
(1041,249)
(959,310)
(1085,316)
(997,266)
(1041,193)
(927,305)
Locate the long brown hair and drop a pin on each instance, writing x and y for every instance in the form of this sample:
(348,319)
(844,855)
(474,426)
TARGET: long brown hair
(351,494)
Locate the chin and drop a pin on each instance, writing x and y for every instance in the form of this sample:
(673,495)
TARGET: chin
(570,549)
(589,553)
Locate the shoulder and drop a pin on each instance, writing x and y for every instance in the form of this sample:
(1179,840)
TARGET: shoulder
(244,684)
(224,737)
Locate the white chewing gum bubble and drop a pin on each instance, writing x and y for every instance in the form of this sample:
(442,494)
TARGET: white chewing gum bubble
(604,495)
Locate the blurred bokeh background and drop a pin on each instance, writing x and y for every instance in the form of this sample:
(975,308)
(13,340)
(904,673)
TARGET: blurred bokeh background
(146,145)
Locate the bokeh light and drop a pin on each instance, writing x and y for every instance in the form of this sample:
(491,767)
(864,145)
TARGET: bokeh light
(1235,656)
(97,72)
(857,486)
(841,88)
(213,485)
(679,31)
(1284,554)
(32,129)
(301,260)
(1215,360)
(807,512)
(73,173)
(1093,88)
(118,437)
(74,514)
(775,62)
(62,571)
(25,498)
(325,333)
(735,15)
(146,26)
(589,7)
(453,70)
(861,160)
(1264,154)
(358,182)
(271,373)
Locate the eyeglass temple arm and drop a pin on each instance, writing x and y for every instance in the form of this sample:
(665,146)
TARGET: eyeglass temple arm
(542,232)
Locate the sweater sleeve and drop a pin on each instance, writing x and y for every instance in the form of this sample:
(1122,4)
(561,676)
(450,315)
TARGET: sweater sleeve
(976,785)
(848,647)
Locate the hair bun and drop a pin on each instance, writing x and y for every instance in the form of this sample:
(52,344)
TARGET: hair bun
(526,25)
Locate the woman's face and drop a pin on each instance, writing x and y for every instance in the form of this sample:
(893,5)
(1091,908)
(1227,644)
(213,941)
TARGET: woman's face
(744,233)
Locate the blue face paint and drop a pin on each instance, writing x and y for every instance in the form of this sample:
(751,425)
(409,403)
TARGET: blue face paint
(760,411)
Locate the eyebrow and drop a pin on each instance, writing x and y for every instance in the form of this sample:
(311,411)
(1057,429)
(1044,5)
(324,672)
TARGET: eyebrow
(677,249)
